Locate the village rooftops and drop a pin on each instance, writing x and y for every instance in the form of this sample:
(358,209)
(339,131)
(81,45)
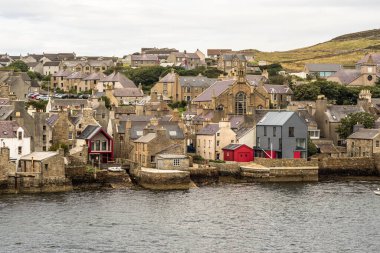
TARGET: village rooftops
(94,76)
(147,138)
(256,80)
(120,78)
(347,76)
(337,112)
(89,132)
(52,64)
(8,129)
(144,57)
(218,51)
(62,73)
(277,118)
(196,81)
(168,78)
(209,129)
(128,92)
(77,75)
(214,90)
(39,156)
(365,134)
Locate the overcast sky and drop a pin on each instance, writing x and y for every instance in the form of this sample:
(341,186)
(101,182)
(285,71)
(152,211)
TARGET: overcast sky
(119,27)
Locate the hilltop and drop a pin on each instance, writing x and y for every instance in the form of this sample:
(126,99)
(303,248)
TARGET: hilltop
(346,50)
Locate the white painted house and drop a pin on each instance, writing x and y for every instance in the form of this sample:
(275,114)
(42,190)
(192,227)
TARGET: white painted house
(15,138)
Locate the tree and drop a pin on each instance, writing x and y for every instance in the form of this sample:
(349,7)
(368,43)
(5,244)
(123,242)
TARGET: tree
(311,148)
(19,66)
(107,102)
(306,92)
(346,127)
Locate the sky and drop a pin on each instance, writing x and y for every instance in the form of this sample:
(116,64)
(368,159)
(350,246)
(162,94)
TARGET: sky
(121,27)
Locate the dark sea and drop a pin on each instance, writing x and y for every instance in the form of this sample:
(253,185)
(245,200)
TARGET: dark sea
(270,217)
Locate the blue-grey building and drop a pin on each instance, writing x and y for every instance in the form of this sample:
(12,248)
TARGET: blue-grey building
(281,134)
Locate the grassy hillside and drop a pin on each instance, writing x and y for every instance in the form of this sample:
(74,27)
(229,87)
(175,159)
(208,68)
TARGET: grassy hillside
(346,50)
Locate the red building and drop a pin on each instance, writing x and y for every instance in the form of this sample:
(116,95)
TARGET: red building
(99,142)
(238,153)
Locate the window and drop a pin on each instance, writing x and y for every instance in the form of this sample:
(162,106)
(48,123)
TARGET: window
(301,143)
(46,166)
(92,146)
(265,131)
(44,148)
(104,145)
(103,115)
(44,127)
(377,144)
(240,103)
(217,143)
(19,150)
(97,146)
(44,138)
(80,126)
(291,131)
(269,143)
(280,143)
(176,162)
(274,131)
(19,134)
(258,142)
(70,135)
(152,159)
(217,134)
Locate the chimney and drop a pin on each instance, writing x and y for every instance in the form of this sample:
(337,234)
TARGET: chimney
(161,133)
(357,127)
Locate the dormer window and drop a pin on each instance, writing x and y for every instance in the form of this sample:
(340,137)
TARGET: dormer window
(19,135)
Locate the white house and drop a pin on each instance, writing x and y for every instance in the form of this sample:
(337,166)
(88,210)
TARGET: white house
(15,138)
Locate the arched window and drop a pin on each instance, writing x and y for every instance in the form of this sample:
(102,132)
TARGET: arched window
(220,108)
(240,103)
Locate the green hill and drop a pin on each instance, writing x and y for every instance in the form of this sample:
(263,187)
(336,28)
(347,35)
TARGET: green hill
(346,50)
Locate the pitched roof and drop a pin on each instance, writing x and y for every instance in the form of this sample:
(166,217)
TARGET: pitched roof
(95,76)
(127,92)
(196,81)
(255,80)
(337,112)
(218,51)
(209,129)
(120,78)
(168,78)
(52,64)
(277,118)
(147,138)
(347,76)
(144,57)
(320,67)
(5,111)
(375,58)
(62,73)
(8,129)
(32,64)
(366,134)
(233,146)
(76,75)
(52,119)
(39,156)
(278,89)
(216,89)
(89,131)
(230,57)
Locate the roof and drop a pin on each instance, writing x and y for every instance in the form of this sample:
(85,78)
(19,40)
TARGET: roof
(95,76)
(242,131)
(52,64)
(62,73)
(337,112)
(255,80)
(34,83)
(39,156)
(127,92)
(233,146)
(347,76)
(375,58)
(31,64)
(196,81)
(89,131)
(168,78)
(5,111)
(321,67)
(209,129)
(147,138)
(218,51)
(278,89)
(120,78)
(76,75)
(277,118)
(8,129)
(230,57)
(52,119)
(144,57)
(214,90)
(171,156)
(327,148)
(366,134)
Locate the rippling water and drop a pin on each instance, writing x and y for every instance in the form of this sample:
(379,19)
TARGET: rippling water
(318,217)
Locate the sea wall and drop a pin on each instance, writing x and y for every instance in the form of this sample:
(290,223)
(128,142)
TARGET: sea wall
(286,162)
(154,179)
(349,166)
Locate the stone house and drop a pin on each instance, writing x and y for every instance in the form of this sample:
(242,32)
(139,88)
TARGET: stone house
(86,66)
(363,142)
(58,80)
(186,60)
(328,118)
(281,134)
(280,95)
(16,138)
(15,84)
(7,167)
(74,80)
(168,86)
(231,62)
(35,67)
(115,80)
(144,60)
(47,165)
(216,53)
(50,67)
(157,140)
(212,138)
(172,162)
(366,74)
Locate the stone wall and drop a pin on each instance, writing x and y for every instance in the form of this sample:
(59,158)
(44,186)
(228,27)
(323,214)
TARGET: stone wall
(348,166)
(286,162)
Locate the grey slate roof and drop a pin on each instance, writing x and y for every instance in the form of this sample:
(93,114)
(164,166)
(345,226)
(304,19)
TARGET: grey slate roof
(375,58)
(52,64)
(144,57)
(321,67)
(196,81)
(8,129)
(52,119)
(127,92)
(230,57)
(278,118)
(255,80)
(118,77)
(168,78)
(242,131)
(5,111)
(365,134)
(146,138)
(95,76)
(77,75)
(89,131)
(232,146)
(216,89)
(278,89)
(346,76)
(209,129)
(63,73)
(338,112)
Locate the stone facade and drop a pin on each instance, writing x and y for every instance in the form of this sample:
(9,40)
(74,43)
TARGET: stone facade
(172,162)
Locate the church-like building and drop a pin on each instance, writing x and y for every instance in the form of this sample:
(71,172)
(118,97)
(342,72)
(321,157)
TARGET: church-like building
(237,96)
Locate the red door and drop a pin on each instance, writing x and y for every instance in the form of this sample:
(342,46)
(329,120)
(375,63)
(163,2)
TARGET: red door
(297,154)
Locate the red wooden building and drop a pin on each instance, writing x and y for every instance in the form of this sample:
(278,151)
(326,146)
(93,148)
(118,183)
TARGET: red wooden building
(99,142)
(238,153)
